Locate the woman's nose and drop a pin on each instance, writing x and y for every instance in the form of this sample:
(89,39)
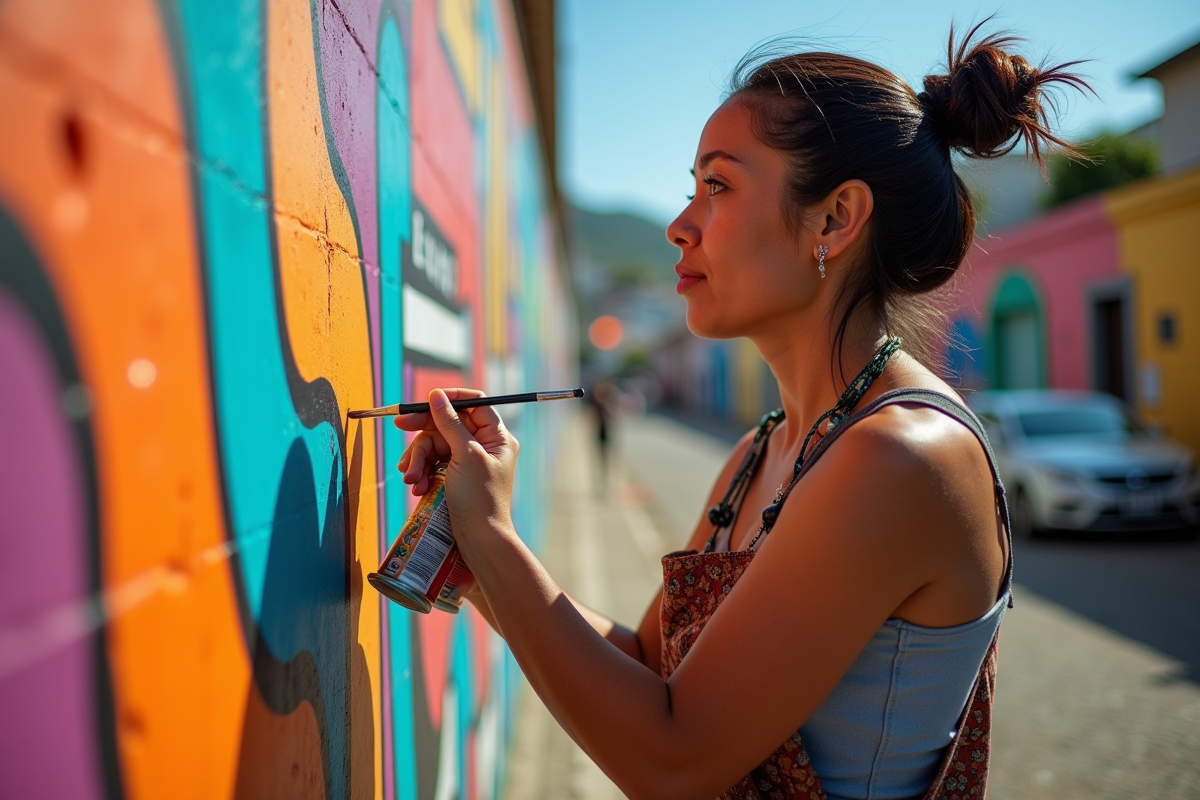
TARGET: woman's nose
(682,232)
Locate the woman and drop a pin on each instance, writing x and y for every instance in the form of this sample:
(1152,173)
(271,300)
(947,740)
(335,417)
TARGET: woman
(853,620)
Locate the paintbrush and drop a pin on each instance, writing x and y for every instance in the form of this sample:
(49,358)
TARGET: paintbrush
(470,402)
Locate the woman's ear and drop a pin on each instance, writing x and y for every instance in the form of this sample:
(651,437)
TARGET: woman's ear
(844,215)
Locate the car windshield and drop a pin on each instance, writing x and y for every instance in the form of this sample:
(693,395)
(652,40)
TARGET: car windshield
(1083,420)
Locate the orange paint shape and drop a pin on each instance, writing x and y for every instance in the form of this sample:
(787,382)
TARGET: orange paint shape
(280,756)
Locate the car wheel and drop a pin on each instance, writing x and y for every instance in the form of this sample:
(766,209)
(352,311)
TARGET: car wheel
(1021,517)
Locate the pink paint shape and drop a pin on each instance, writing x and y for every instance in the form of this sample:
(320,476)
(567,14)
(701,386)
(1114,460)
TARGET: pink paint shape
(434,628)
(481,634)
(47,745)
(350,84)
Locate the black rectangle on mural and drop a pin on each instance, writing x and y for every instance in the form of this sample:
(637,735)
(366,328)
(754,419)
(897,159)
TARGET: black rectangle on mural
(436,331)
(429,264)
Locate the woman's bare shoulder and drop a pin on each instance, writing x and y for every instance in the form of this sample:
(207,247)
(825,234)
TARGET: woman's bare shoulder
(916,444)
(924,470)
(911,436)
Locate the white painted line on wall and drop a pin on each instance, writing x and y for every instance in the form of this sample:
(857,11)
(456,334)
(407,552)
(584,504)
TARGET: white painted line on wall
(434,329)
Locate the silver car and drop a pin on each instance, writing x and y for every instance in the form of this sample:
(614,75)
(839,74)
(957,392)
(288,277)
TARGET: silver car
(1079,461)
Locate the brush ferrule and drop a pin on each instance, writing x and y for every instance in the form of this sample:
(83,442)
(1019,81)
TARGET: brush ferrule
(564,395)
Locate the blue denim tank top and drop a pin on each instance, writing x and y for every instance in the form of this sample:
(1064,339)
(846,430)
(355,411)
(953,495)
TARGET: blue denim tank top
(882,731)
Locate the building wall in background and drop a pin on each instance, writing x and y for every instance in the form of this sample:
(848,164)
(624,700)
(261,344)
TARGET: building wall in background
(722,379)
(1056,255)
(1158,224)
(1180,79)
(220,229)
(1133,247)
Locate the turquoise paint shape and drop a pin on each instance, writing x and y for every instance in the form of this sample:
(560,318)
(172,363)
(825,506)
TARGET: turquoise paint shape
(463,677)
(527,199)
(256,419)
(282,478)
(395,231)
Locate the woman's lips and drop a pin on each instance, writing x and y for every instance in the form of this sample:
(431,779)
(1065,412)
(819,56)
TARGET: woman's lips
(686,280)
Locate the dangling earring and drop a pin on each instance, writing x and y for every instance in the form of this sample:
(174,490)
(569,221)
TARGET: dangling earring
(821,251)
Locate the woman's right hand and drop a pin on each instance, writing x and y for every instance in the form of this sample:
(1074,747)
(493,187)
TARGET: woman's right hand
(482,461)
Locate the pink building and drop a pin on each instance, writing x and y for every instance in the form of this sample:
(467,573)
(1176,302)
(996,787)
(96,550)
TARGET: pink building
(1028,296)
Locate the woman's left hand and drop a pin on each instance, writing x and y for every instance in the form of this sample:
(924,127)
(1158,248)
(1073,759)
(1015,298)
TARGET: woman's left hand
(482,460)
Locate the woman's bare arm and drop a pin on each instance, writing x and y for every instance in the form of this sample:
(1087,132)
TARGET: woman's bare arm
(834,569)
(616,634)
(644,644)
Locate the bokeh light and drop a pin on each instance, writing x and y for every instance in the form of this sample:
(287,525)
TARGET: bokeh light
(605,332)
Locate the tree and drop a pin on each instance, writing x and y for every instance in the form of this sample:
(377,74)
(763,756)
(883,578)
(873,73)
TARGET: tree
(1113,161)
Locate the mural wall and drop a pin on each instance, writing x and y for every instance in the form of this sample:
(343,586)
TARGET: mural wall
(222,226)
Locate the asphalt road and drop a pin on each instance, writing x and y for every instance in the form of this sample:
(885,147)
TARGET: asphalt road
(1144,587)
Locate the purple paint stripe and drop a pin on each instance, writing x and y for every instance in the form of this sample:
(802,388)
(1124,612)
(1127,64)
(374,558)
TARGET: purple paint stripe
(350,88)
(47,745)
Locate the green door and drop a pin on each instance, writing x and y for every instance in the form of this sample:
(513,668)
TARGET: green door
(1018,352)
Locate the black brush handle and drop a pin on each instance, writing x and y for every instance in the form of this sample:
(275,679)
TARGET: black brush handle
(470,402)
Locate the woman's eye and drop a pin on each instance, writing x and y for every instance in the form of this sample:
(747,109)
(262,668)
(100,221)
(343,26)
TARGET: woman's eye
(714,186)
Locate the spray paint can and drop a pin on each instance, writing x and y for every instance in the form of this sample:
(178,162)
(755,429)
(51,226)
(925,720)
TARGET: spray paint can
(423,568)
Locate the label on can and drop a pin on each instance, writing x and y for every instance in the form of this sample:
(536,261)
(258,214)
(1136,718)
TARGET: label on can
(457,584)
(423,568)
(431,551)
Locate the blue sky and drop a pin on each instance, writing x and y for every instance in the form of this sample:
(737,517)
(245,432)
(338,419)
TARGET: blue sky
(638,79)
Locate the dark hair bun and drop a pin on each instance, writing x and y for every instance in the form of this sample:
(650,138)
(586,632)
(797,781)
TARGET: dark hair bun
(992,99)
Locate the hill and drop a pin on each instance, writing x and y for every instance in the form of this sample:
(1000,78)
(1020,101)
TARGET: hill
(627,248)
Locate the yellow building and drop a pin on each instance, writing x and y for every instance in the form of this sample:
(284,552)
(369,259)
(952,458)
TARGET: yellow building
(1158,240)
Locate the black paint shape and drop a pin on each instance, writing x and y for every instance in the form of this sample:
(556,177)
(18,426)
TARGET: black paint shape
(304,614)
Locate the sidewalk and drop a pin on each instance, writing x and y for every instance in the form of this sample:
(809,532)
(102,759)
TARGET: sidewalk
(604,551)
(1081,711)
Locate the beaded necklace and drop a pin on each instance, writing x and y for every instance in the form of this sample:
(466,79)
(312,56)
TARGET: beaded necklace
(721,514)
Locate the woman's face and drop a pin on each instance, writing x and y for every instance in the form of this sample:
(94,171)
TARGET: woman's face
(741,268)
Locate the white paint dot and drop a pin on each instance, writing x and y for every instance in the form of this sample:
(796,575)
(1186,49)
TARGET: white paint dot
(154,144)
(141,373)
(70,211)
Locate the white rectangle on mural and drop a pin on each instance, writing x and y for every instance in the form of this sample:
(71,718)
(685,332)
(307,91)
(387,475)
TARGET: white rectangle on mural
(434,329)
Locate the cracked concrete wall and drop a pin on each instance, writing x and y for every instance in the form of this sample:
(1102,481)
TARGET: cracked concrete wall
(222,226)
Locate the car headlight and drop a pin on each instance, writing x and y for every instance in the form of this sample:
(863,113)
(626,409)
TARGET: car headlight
(1062,477)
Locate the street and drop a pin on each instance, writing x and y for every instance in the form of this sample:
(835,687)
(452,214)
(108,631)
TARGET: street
(1099,684)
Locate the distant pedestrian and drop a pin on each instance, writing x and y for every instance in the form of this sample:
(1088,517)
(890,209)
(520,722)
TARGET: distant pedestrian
(837,639)
(603,400)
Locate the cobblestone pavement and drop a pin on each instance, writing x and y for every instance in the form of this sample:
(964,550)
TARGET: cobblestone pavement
(1083,710)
